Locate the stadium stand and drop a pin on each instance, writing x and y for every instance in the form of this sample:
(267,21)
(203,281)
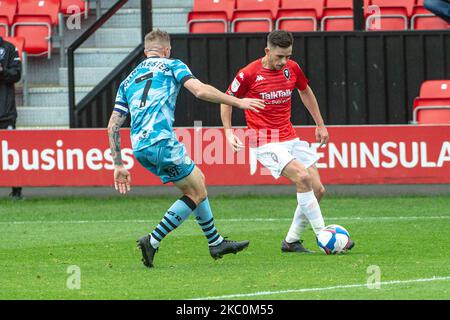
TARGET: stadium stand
(299,15)
(408,5)
(8,9)
(208,16)
(41,29)
(37,32)
(254,15)
(337,16)
(208,22)
(435,89)
(389,15)
(69,7)
(211,16)
(337,19)
(44,104)
(433,104)
(34,21)
(339,4)
(422,19)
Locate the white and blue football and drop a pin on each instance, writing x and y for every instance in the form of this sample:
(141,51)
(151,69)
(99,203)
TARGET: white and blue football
(333,239)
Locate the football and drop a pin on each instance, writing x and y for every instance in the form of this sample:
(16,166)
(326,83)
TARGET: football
(333,239)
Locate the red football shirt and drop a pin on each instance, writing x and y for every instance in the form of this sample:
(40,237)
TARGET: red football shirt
(275,88)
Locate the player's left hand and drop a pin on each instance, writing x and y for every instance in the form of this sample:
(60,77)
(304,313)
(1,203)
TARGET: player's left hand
(122,179)
(322,135)
(252,104)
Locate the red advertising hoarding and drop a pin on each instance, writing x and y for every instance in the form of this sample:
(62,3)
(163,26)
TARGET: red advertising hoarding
(355,155)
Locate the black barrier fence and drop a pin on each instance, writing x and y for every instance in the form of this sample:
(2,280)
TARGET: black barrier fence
(358,77)
(96,104)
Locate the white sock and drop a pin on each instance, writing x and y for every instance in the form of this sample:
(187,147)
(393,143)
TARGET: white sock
(311,209)
(217,242)
(299,223)
(154,242)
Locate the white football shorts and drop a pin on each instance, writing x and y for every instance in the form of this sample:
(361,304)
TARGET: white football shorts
(276,155)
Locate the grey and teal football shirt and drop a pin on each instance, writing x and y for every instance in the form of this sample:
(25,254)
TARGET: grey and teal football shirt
(149,94)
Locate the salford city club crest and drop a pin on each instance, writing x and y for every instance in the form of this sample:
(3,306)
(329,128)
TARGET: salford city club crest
(287,74)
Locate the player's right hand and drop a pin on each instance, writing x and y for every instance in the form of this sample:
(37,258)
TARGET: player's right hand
(122,179)
(234,141)
(252,104)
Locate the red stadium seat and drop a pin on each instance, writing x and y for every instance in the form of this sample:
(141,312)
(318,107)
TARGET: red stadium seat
(337,19)
(339,4)
(433,116)
(208,22)
(431,111)
(254,15)
(338,15)
(422,19)
(37,31)
(435,89)
(226,6)
(299,15)
(394,14)
(40,8)
(251,5)
(211,16)
(316,5)
(433,103)
(69,7)
(4,26)
(296,20)
(345,4)
(34,22)
(252,21)
(407,4)
(388,18)
(8,8)
(18,42)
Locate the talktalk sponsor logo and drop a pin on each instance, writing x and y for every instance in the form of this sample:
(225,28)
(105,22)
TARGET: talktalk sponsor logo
(387,155)
(60,158)
(276,94)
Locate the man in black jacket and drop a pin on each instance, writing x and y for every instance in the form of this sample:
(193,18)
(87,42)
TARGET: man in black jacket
(10,72)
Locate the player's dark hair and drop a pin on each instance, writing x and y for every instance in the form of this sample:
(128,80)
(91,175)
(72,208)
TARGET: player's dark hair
(280,38)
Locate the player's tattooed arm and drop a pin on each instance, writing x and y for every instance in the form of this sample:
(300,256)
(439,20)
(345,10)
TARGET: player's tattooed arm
(115,122)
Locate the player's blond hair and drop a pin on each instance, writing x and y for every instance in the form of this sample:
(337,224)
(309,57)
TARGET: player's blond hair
(156,38)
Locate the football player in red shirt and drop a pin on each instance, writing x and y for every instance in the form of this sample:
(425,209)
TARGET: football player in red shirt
(275,143)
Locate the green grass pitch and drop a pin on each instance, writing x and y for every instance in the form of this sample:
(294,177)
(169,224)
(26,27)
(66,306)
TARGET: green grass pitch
(405,238)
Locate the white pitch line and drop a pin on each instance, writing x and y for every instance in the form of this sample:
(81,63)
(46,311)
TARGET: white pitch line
(349,286)
(222,220)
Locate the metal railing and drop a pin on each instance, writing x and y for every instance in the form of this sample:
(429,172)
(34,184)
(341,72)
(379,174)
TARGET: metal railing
(95,108)
(146,26)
